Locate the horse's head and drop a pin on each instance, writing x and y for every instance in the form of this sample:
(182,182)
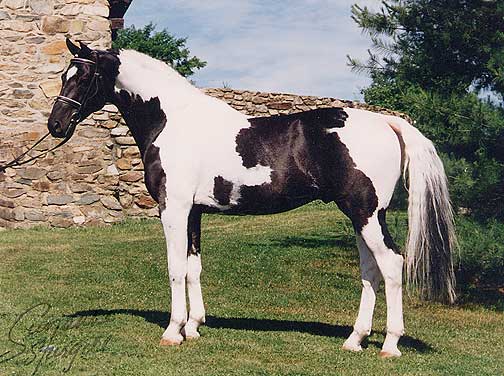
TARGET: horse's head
(88,84)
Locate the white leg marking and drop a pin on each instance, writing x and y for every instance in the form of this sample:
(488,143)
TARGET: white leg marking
(390,265)
(174,220)
(371,278)
(197,309)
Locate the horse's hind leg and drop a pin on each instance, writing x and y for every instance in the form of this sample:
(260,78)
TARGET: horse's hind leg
(371,278)
(390,263)
(197,309)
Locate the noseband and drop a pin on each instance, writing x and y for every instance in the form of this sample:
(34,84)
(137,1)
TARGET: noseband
(75,119)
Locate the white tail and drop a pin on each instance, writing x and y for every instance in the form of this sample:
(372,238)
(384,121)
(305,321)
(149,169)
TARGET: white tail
(431,235)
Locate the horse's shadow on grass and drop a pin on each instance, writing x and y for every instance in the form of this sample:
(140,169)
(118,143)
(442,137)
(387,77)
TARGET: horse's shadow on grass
(269,325)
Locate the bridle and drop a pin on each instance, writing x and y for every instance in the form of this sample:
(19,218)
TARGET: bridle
(74,120)
(78,106)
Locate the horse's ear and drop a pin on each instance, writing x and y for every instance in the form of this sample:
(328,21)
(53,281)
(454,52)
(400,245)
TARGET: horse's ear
(84,49)
(74,50)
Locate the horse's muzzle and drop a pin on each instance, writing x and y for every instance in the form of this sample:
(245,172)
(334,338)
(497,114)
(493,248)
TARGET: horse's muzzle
(56,128)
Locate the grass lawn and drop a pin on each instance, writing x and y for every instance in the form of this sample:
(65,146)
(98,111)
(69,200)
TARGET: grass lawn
(281,293)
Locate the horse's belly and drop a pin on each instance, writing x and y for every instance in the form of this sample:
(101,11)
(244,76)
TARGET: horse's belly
(260,200)
(275,196)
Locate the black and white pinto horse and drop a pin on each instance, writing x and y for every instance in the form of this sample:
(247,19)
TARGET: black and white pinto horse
(202,156)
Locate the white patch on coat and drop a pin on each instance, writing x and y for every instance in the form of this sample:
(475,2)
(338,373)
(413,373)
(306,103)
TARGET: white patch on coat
(72,71)
(374,148)
(198,142)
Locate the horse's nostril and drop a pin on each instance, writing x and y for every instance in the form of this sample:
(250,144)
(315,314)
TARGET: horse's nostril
(57,125)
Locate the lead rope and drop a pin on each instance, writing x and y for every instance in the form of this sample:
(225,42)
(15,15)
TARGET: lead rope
(76,117)
(18,160)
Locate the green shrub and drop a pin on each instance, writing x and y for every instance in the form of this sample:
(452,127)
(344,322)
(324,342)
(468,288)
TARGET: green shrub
(480,262)
(479,259)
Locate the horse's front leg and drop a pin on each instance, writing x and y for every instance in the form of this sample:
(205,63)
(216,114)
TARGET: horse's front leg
(197,309)
(175,220)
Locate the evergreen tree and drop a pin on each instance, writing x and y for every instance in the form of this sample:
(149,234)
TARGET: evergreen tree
(429,59)
(445,46)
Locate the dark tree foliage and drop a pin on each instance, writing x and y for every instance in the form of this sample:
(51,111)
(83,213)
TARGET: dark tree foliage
(160,45)
(430,58)
(440,45)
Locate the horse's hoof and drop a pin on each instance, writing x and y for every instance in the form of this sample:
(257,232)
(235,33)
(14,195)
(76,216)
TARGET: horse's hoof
(189,334)
(170,342)
(192,336)
(349,347)
(389,354)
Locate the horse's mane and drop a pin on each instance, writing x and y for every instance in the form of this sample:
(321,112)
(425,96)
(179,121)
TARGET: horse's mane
(154,78)
(149,63)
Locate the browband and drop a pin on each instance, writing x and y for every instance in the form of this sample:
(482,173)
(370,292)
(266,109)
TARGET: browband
(72,102)
(82,61)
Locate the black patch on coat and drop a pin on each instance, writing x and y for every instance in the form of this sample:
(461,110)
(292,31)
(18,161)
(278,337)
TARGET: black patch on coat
(154,176)
(194,231)
(333,117)
(322,118)
(222,190)
(146,120)
(389,242)
(307,164)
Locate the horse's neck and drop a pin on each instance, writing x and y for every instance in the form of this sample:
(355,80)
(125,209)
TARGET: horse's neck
(150,78)
(147,92)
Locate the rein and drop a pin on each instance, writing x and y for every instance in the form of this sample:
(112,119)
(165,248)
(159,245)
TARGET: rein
(76,117)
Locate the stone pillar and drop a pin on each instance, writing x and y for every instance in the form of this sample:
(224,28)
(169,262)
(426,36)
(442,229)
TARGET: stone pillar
(68,186)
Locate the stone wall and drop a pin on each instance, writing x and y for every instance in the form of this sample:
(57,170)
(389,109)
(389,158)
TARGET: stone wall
(33,52)
(256,103)
(97,177)
(32,57)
